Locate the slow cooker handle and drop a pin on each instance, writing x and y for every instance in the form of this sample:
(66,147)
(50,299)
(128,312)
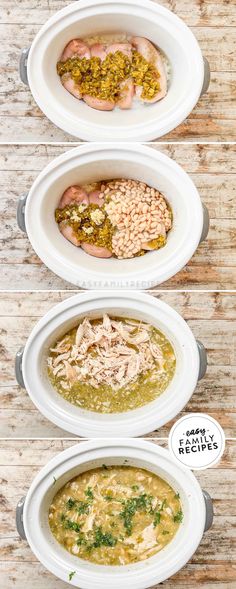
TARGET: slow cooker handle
(209,510)
(18,368)
(202,360)
(207,76)
(23,66)
(19,518)
(206,223)
(20,213)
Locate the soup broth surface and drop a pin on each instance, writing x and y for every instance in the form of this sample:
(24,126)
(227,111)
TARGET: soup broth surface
(115,515)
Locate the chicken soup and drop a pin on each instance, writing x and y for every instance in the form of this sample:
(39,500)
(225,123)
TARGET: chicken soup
(115,515)
(111,365)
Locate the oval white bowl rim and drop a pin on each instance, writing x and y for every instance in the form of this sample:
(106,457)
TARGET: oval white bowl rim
(96,279)
(141,132)
(144,575)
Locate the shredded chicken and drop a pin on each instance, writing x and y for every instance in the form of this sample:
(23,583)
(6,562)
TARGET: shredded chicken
(148,539)
(108,352)
(88,526)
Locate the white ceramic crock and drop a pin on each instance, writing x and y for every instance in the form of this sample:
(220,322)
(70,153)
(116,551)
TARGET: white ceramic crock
(137,17)
(31,368)
(102,162)
(32,514)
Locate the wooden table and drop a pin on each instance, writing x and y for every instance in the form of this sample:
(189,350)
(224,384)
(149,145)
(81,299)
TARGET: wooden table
(211,316)
(211,567)
(213,22)
(212,168)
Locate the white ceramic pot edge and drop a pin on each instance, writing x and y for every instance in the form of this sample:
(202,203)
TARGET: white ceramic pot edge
(145,423)
(100,281)
(144,132)
(146,578)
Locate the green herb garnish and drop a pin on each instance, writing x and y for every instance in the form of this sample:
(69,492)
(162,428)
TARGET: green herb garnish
(81,540)
(103,538)
(164,504)
(70,503)
(157,514)
(157,518)
(69,525)
(178,517)
(80,506)
(89,493)
(141,503)
(71,575)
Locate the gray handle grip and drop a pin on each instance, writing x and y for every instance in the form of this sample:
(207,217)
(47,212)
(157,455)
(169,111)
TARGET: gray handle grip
(209,510)
(206,223)
(18,368)
(19,518)
(20,213)
(202,360)
(23,66)
(207,76)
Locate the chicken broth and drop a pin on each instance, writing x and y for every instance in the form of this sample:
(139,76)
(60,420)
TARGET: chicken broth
(115,515)
(111,365)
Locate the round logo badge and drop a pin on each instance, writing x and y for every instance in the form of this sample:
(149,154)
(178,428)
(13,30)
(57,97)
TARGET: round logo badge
(197,441)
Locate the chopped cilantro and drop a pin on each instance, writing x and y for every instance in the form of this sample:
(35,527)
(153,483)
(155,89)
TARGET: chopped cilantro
(81,540)
(54,480)
(71,575)
(157,514)
(82,507)
(141,503)
(164,504)
(103,538)
(157,518)
(69,525)
(135,487)
(177,495)
(165,532)
(70,503)
(89,493)
(178,517)
(105,466)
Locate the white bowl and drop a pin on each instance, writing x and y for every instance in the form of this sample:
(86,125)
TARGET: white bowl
(137,17)
(32,515)
(31,369)
(102,162)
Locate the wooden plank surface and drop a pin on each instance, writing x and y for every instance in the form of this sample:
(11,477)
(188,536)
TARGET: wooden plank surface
(211,167)
(213,24)
(210,316)
(211,567)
